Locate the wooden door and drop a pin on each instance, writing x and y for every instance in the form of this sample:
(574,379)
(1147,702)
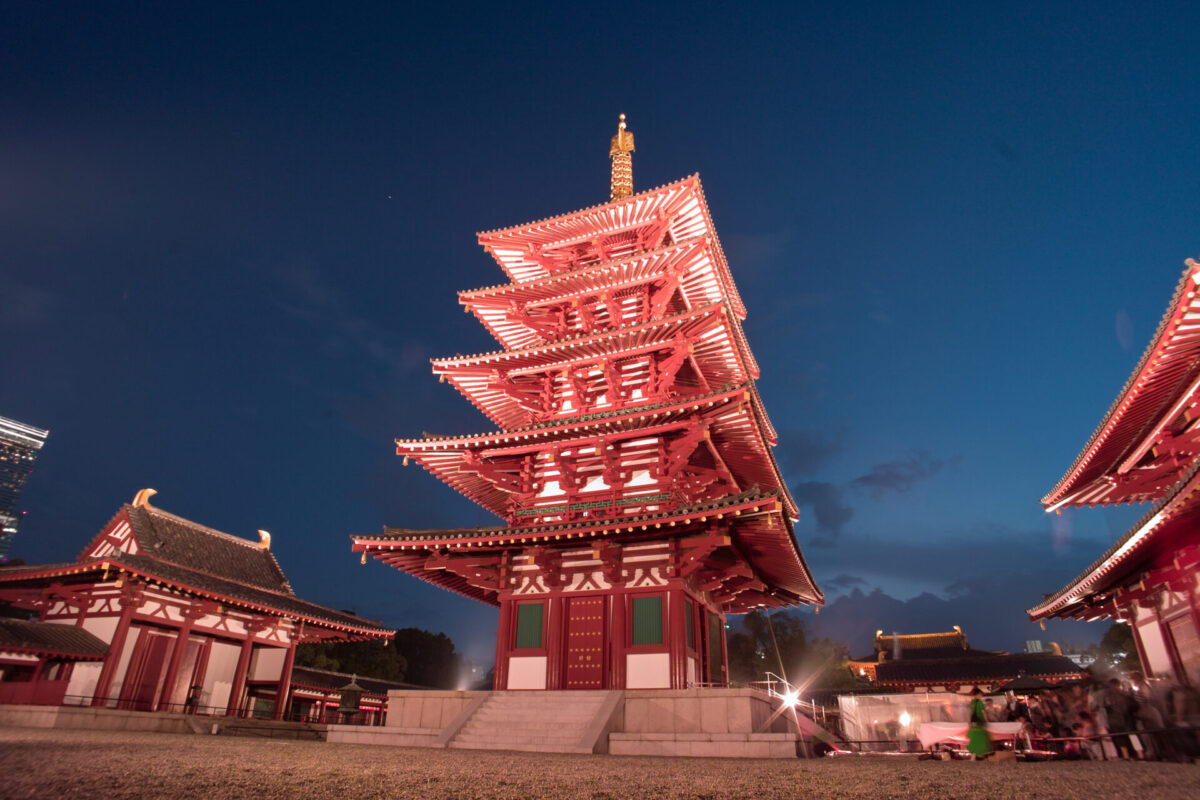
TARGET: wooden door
(585,643)
(145,671)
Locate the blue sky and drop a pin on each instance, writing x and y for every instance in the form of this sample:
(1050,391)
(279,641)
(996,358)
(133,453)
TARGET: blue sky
(230,239)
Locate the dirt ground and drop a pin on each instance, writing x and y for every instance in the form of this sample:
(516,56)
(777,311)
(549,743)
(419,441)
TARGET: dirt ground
(39,763)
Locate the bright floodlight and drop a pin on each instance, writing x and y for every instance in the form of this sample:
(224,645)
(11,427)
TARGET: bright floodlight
(905,718)
(790,699)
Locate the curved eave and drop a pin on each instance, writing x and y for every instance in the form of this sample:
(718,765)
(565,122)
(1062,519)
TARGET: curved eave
(718,352)
(739,437)
(697,261)
(683,201)
(772,547)
(1183,499)
(113,564)
(1166,370)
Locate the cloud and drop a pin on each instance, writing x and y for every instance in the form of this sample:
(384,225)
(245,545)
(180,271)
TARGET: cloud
(803,452)
(26,305)
(828,506)
(323,305)
(845,581)
(1124,330)
(898,476)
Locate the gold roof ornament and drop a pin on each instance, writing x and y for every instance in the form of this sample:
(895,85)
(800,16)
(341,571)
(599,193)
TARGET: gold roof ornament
(142,498)
(620,151)
(264,540)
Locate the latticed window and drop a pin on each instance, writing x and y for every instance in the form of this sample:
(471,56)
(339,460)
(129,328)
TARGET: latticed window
(647,620)
(529,625)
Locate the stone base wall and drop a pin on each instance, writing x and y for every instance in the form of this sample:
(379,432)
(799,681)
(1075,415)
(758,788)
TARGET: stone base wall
(429,710)
(98,719)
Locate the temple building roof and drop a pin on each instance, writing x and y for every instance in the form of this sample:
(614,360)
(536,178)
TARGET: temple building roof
(50,639)
(910,672)
(1145,440)
(179,554)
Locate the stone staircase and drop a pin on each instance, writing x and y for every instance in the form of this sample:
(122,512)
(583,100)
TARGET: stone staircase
(550,722)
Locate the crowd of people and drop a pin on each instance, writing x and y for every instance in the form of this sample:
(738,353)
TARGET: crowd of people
(1111,717)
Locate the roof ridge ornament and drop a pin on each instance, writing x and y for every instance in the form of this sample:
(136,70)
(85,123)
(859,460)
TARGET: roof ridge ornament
(622,162)
(142,498)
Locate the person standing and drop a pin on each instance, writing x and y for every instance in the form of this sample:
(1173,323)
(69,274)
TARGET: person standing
(979,741)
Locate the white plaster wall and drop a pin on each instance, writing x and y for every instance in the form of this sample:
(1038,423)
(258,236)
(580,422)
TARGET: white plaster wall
(267,663)
(527,672)
(218,679)
(83,681)
(1153,646)
(123,663)
(647,671)
(102,628)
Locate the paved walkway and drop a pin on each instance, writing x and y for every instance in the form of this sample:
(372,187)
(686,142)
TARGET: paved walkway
(51,763)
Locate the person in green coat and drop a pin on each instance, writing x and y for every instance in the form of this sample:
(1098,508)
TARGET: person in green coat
(979,741)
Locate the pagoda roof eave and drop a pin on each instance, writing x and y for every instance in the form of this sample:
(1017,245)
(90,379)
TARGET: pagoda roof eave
(588,531)
(604,424)
(498,236)
(1136,417)
(1102,573)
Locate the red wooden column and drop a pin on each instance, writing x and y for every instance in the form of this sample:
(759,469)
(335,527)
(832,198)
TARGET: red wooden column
(129,601)
(192,613)
(616,641)
(724,650)
(555,620)
(677,638)
(285,679)
(243,665)
(503,634)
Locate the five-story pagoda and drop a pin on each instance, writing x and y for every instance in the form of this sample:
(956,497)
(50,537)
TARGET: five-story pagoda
(632,465)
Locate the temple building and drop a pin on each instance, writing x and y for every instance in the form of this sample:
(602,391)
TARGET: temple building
(159,613)
(945,662)
(631,464)
(1147,449)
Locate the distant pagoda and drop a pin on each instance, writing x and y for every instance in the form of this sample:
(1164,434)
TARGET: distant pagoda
(632,464)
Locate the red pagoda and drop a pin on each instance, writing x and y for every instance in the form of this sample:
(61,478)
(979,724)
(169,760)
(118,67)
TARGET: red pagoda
(1147,449)
(632,463)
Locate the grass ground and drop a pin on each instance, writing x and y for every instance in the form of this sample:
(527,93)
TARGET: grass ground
(39,763)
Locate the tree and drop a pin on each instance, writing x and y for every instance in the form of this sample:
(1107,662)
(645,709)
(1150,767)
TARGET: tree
(373,659)
(781,644)
(431,658)
(1118,650)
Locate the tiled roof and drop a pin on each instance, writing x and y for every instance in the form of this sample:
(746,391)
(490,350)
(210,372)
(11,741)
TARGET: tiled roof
(922,641)
(47,638)
(166,537)
(974,668)
(283,601)
(334,681)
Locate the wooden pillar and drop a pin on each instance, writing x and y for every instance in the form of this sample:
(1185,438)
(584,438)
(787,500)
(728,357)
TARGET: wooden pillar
(555,616)
(285,679)
(190,615)
(503,635)
(243,665)
(677,638)
(129,602)
(724,649)
(616,641)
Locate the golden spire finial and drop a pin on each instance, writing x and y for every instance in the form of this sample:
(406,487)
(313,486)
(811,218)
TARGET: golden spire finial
(622,162)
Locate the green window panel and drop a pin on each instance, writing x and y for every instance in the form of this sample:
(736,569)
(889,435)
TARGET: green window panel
(691,636)
(529,625)
(648,620)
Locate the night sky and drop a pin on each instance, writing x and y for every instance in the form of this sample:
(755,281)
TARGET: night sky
(231,237)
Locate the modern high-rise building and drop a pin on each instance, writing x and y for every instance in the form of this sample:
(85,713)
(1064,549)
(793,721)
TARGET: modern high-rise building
(19,447)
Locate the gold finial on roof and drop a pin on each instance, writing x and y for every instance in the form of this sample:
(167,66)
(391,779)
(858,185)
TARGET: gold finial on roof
(142,498)
(264,540)
(622,162)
